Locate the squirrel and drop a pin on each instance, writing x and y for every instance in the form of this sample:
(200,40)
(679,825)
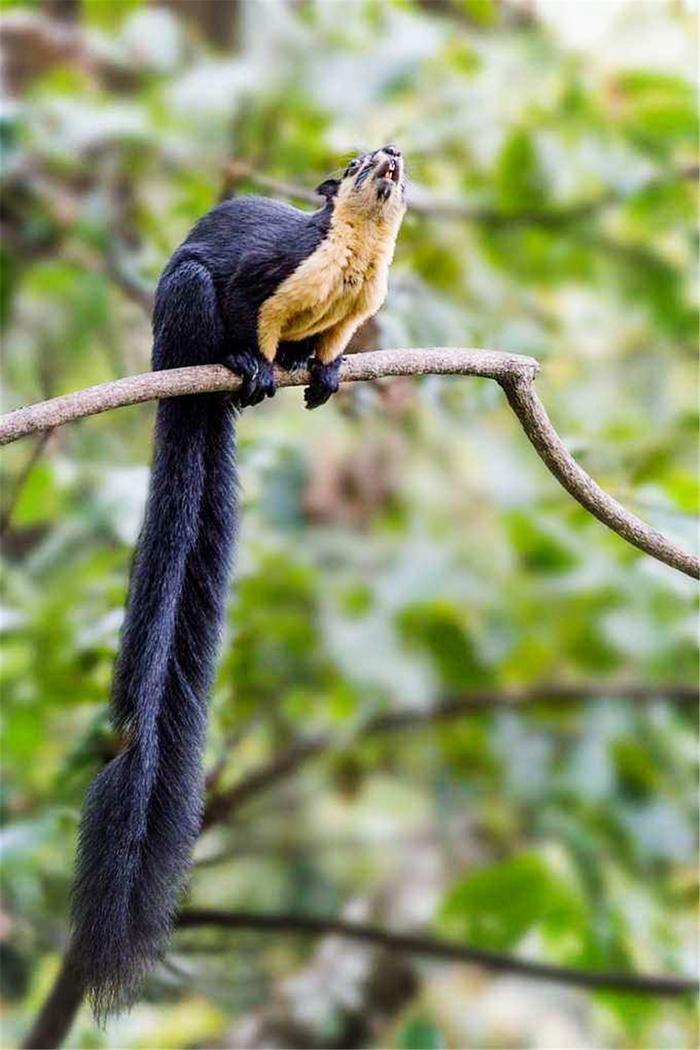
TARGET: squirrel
(256,281)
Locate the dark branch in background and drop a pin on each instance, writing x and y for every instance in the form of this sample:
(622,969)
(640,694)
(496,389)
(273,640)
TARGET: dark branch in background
(239,171)
(515,373)
(505,14)
(224,803)
(117,268)
(431,947)
(22,478)
(62,1004)
(421,202)
(33,43)
(510,699)
(58,1011)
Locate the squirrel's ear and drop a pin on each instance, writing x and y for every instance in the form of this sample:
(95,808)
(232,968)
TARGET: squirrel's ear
(328,189)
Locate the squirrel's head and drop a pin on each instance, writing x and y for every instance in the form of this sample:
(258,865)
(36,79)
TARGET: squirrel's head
(373,185)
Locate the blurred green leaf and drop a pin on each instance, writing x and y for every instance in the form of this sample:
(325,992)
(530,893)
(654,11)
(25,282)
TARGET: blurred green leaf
(538,549)
(441,631)
(496,906)
(519,182)
(420,1033)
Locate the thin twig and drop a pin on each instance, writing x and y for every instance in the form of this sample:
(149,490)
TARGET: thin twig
(239,171)
(432,947)
(132,285)
(222,804)
(22,479)
(514,372)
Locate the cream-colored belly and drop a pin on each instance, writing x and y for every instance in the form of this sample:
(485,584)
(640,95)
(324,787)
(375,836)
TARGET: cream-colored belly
(311,319)
(342,283)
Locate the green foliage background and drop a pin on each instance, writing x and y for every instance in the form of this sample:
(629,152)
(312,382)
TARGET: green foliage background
(404,544)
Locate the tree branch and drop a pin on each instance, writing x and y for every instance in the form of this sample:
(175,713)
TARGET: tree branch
(537,425)
(280,766)
(138,289)
(148,386)
(515,373)
(414,944)
(60,1007)
(422,202)
(22,479)
(221,805)
(58,1011)
(485,700)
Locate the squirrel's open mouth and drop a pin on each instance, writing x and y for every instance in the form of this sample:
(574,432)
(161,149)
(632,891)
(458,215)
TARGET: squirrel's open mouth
(388,168)
(384,170)
(387,173)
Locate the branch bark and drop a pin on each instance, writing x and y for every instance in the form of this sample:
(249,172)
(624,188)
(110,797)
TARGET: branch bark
(148,386)
(547,692)
(538,428)
(514,373)
(431,947)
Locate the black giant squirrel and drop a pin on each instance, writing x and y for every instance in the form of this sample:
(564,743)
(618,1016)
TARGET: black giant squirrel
(256,281)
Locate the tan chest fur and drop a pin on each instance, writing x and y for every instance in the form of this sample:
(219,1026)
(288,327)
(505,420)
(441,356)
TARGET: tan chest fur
(343,281)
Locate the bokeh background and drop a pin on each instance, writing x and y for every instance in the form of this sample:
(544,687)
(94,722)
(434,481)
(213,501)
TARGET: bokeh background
(400,548)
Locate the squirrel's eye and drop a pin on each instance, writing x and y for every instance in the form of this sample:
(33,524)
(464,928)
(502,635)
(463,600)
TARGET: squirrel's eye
(352,167)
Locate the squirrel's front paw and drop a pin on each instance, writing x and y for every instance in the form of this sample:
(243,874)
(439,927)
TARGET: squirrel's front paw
(257,377)
(323,382)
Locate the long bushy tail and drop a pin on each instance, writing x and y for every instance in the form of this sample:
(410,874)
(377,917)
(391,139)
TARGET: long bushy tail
(143,811)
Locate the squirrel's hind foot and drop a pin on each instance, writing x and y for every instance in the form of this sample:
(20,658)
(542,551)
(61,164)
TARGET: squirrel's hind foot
(324,381)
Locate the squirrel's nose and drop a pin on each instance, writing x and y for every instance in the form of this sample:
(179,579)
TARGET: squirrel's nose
(392,150)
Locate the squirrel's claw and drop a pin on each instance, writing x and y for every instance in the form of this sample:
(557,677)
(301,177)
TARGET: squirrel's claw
(324,382)
(257,378)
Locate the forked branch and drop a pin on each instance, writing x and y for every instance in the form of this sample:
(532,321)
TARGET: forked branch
(514,373)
